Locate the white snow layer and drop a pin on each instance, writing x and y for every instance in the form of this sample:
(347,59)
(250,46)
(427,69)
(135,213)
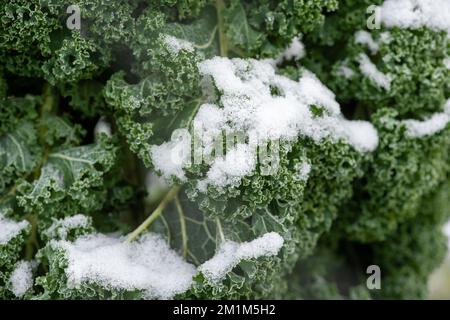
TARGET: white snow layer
(437,122)
(414,14)
(10,229)
(170,157)
(61,227)
(250,106)
(447,63)
(345,71)
(265,107)
(376,76)
(175,45)
(231,253)
(147,264)
(21,279)
(303,171)
(295,51)
(103,126)
(229,169)
(365,38)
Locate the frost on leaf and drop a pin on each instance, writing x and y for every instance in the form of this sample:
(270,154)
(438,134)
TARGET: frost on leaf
(376,76)
(170,157)
(231,253)
(175,45)
(10,229)
(21,279)
(62,228)
(414,14)
(295,51)
(147,265)
(436,123)
(267,108)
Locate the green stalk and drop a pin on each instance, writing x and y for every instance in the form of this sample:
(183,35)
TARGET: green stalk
(47,107)
(182,226)
(220,6)
(154,215)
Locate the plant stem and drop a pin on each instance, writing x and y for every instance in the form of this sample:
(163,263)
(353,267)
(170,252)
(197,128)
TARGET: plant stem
(49,103)
(10,193)
(49,100)
(220,6)
(154,215)
(47,107)
(219,230)
(182,226)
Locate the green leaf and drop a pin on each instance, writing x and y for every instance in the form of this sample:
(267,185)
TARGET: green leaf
(19,154)
(70,182)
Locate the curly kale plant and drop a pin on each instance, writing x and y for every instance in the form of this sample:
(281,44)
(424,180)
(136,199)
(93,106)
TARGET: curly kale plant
(225,149)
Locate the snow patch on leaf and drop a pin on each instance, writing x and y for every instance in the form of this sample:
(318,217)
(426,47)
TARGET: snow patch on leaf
(21,279)
(170,157)
(345,71)
(262,107)
(60,228)
(414,14)
(447,63)
(229,169)
(147,264)
(303,170)
(434,124)
(376,76)
(175,45)
(231,253)
(295,51)
(10,229)
(365,38)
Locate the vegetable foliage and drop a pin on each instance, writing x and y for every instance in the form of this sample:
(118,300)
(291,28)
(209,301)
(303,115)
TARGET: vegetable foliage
(350,167)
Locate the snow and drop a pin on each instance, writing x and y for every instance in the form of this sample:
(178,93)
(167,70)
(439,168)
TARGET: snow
(10,229)
(414,14)
(360,134)
(295,51)
(21,279)
(365,38)
(303,170)
(346,72)
(148,265)
(229,169)
(231,253)
(170,157)
(247,104)
(103,126)
(434,124)
(155,185)
(447,63)
(370,71)
(60,228)
(175,45)
(207,128)
(313,92)
(259,107)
